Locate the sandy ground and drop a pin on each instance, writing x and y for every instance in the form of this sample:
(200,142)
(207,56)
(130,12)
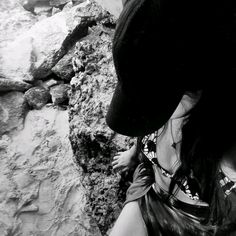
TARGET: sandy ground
(40,186)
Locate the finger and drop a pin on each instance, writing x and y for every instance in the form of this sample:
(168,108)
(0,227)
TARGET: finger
(115,162)
(123,170)
(116,157)
(117,174)
(117,167)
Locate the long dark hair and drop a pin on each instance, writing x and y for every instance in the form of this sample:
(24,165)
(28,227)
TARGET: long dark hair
(209,131)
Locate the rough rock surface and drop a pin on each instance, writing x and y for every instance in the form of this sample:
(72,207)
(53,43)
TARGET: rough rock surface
(47,42)
(64,69)
(93,142)
(11,85)
(55,10)
(50,83)
(41,188)
(30,5)
(43,11)
(14,21)
(16,60)
(37,97)
(113,6)
(56,3)
(60,93)
(68,6)
(12,111)
(42,191)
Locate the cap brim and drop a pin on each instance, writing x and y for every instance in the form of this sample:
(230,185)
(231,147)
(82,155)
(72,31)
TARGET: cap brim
(141,114)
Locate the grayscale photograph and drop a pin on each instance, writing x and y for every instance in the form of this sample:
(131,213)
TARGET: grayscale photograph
(117,118)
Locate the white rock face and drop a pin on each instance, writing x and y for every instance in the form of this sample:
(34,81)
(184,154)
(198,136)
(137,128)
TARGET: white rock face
(32,55)
(15,21)
(12,85)
(35,49)
(17,58)
(113,6)
(41,189)
(12,111)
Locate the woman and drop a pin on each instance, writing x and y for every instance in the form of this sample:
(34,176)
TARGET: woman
(186,185)
(130,158)
(192,191)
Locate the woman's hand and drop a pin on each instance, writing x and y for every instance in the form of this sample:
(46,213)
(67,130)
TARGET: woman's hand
(123,161)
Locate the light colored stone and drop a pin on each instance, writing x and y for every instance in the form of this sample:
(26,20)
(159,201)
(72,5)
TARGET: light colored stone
(55,10)
(43,10)
(51,82)
(8,5)
(14,20)
(7,85)
(56,3)
(30,5)
(12,111)
(16,61)
(113,6)
(68,6)
(76,2)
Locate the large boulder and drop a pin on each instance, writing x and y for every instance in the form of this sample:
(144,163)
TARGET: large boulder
(12,111)
(41,187)
(47,42)
(93,143)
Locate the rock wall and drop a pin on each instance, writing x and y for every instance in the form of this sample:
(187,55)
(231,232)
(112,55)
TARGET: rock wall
(94,144)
